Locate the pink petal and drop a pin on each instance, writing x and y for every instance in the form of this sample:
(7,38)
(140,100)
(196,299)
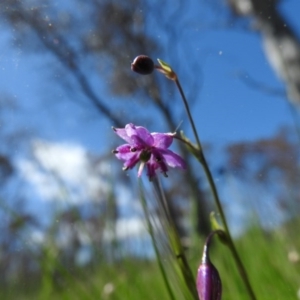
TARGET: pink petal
(132,160)
(140,136)
(162,140)
(151,168)
(172,159)
(125,155)
(125,148)
(122,133)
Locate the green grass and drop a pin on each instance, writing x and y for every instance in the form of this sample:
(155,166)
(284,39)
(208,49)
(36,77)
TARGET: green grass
(265,256)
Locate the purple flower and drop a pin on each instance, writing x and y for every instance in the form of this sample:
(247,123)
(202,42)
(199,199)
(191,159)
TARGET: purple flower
(150,149)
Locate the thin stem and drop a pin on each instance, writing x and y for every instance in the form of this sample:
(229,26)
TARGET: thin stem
(231,244)
(210,236)
(205,254)
(187,108)
(156,250)
(176,243)
(200,156)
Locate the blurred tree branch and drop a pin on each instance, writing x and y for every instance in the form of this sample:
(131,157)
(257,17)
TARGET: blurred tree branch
(109,34)
(271,163)
(280,41)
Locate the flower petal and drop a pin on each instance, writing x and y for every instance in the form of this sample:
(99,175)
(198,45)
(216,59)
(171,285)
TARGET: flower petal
(139,135)
(151,168)
(135,135)
(162,140)
(158,160)
(131,161)
(125,148)
(124,153)
(122,133)
(172,159)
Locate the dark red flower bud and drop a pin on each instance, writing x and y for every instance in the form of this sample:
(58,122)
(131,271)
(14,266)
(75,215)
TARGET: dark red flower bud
(209,284)
(143,65)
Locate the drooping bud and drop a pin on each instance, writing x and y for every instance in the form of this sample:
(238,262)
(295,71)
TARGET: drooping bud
(143,65)
(209,284)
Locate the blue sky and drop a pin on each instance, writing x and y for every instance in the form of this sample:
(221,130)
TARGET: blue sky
(226,109)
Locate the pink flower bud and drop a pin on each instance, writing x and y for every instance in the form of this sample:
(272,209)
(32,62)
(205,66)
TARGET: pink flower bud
(209,284)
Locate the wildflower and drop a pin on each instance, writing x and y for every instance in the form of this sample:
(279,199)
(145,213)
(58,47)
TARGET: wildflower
(150,149)
(209,284)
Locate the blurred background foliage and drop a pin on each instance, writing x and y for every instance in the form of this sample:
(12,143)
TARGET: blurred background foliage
(71,223)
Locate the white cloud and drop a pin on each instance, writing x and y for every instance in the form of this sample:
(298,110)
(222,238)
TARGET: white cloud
(66,160)
(65,171)
(131,227)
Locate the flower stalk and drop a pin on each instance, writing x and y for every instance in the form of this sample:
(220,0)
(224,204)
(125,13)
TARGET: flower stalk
(198,153)
(144,65)
(200,156)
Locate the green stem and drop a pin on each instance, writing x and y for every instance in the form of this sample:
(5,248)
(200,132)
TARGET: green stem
(200,156)
(174,238)
(156,250)
(231,244)
(187,108)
